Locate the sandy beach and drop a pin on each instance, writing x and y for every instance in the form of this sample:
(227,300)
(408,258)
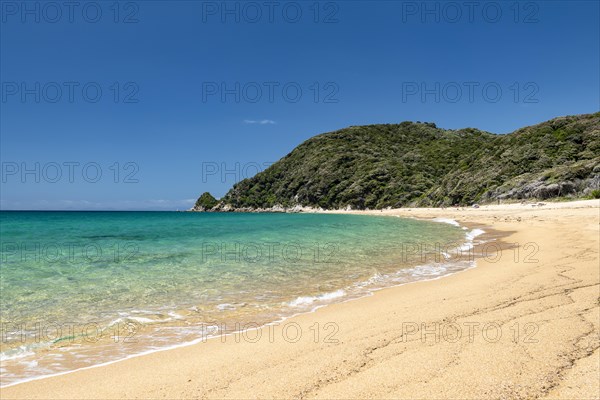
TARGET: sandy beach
(523,324)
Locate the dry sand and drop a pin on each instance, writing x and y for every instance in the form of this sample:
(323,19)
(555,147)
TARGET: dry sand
(404,342)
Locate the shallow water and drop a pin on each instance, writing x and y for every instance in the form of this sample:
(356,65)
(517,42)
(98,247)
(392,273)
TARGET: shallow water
(83,288)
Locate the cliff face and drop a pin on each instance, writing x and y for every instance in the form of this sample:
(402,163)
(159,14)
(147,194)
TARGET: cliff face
(418,164)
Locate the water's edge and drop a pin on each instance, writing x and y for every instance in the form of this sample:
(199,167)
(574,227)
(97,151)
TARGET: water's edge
(469,229)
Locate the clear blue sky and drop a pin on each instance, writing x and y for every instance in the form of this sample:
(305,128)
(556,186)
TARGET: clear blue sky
(180,120)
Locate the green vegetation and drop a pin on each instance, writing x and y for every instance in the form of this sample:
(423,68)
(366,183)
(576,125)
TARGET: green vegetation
(205,202)
(418,164)
(595,194)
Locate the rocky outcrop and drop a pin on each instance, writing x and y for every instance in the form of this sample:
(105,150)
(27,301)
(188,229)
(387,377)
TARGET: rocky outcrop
(205,202)
(223,207)
(578,180)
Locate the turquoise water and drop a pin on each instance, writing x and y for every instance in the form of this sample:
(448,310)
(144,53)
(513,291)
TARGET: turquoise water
(82,288)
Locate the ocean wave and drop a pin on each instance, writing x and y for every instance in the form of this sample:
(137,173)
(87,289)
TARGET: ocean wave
(446,221)
(428,270)
(474,233)
(16,353)
(375,278)
(141,320)
(226,307)
(470,236)
(306,300)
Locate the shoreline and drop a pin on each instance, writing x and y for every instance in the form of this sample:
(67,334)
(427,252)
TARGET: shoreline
(378,306)
(468,246)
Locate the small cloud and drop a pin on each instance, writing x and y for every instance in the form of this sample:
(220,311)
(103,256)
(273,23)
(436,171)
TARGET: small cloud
(260,122)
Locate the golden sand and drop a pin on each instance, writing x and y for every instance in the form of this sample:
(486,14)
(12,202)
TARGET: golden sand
(523,324)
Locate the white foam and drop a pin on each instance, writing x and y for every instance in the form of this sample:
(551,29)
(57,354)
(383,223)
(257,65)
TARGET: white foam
(226,306)
(446,221)
(141,320)
(474,233)
(174,315)
(428,270)
(16,353)
(377,277)
(305,300)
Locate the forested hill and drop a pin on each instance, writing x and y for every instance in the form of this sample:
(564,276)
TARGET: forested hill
(418,164)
